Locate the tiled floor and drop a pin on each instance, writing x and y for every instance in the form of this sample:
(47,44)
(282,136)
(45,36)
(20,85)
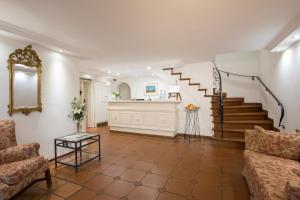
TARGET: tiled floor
(145,168)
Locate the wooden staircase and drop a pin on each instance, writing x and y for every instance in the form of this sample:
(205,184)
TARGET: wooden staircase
(238,115)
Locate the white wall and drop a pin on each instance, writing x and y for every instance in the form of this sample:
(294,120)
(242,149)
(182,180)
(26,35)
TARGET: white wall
(281,72)
(137,86)
(199,73)
(246,63)
(60,83)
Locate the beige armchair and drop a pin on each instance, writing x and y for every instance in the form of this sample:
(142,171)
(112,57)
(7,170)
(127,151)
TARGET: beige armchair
(20,165)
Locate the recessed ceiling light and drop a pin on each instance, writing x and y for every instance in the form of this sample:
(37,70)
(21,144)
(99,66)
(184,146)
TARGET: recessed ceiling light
(172,65)
(61,50)
(149,68)
(87,76)
(118,74)
(109,72)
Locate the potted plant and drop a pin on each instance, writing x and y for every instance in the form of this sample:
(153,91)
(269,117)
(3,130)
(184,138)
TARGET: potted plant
(78,112)
(116,95)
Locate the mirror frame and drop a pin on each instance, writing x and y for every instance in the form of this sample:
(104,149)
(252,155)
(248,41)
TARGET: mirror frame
(28,57)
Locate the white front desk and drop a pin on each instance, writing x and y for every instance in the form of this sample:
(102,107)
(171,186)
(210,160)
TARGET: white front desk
(146,117)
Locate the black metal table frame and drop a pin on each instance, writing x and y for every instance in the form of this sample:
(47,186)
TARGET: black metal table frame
(78,148)
(192,127)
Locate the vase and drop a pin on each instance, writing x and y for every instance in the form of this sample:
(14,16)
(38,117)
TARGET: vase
(78,126)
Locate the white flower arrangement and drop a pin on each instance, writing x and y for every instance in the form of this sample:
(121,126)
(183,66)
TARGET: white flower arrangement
(78,111)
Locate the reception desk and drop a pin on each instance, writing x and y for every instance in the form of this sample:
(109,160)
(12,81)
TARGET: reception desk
(145,117)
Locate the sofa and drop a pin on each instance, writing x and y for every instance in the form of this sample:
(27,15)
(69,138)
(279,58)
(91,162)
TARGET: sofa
(20,165)
(272,167)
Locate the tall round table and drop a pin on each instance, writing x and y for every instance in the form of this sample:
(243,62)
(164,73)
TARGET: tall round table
(192,127)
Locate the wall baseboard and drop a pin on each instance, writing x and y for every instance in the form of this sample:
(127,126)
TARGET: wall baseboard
(101,124)
(160,136)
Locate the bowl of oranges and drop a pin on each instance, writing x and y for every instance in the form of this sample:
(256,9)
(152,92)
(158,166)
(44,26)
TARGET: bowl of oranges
(192,107)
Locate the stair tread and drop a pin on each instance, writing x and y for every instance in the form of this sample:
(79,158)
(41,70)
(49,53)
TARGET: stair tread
(234,98)
(226,100)
(202,89)
(230,98)
(267,121)
(245,113)
(176,73)
(230,139)
(194,83)
(167,68)
(185,79)
(215,95)
(240,106)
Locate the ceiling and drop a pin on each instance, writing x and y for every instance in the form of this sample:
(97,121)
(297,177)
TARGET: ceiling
(131,34)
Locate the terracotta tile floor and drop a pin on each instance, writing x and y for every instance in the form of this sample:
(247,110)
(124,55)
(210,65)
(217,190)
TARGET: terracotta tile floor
(147,168)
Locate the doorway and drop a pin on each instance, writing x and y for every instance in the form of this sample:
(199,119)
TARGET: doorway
(125,93)
(85,95)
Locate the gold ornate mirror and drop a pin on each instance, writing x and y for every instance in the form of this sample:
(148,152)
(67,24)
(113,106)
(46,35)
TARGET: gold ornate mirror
(25,70)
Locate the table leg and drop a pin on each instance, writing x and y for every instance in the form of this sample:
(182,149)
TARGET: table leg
(99,147)
(76,166)
(80,151)
(55,153)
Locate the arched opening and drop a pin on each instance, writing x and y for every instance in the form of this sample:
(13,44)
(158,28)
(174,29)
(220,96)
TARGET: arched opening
(125,93)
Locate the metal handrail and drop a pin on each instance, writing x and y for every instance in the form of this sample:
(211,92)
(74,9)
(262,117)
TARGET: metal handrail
(220,100)
(264,85)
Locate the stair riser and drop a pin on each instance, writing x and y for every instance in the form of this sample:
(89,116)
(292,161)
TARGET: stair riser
(237,110)
(228,103)
(243,126)
(229,134)
(229,98)
(241,117)
(215,98)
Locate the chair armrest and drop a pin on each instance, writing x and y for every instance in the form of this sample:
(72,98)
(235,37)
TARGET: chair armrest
(19,152)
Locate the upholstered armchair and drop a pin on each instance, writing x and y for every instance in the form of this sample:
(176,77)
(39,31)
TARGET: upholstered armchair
(20,165)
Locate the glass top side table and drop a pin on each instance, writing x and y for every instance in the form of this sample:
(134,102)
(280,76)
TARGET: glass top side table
(78,143)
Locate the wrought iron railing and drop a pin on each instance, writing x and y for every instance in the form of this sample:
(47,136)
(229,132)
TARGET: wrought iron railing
(219,91)
(218,86)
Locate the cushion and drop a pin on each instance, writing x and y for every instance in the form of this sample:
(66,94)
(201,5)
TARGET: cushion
(270,173)
(285,145)
(14,172)
(7,134)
